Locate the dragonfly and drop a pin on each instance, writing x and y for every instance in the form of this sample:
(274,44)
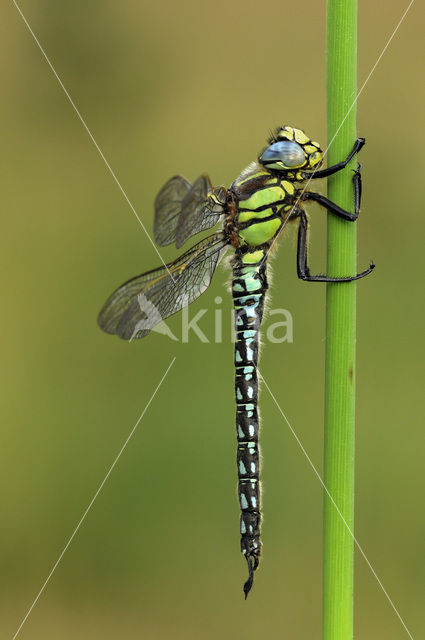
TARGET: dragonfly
(268,195)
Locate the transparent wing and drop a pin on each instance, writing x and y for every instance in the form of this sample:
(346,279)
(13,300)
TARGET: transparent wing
(168,206)
(201,209)
(141,303)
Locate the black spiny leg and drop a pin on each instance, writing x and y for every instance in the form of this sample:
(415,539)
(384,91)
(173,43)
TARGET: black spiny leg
(357,183)
(303,269)
(338,211)
(333,207)
(323,173)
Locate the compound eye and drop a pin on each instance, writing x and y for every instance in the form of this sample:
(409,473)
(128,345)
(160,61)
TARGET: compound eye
(290,154)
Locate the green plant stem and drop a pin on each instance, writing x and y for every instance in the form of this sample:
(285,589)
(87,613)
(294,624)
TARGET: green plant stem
(341,51)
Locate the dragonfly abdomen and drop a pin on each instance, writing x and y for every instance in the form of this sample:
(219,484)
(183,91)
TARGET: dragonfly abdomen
(248,290)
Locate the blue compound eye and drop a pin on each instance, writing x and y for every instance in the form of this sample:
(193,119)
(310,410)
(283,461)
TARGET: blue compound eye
(290,154)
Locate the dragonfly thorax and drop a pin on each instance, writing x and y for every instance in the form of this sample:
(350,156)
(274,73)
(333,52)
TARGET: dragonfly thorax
(263,203)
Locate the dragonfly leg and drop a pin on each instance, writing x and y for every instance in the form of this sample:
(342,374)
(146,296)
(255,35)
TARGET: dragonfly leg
(329,171)
(357,183)
(303,269)
(332,206)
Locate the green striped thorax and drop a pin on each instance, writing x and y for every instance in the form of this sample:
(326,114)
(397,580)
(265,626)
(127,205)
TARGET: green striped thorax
(265,191)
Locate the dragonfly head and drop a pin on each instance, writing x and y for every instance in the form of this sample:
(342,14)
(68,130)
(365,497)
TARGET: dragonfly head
(290,149)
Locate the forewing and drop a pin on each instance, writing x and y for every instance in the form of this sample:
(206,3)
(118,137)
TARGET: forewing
(201,209)
(141,303)
(168,206)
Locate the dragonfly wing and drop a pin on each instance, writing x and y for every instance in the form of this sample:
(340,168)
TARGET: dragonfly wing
(168,206)
(141,303)
(201,209)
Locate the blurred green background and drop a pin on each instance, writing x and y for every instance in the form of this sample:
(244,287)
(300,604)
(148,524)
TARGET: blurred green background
(185,88)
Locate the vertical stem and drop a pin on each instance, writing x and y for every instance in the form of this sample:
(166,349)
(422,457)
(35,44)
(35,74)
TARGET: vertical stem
(340,328)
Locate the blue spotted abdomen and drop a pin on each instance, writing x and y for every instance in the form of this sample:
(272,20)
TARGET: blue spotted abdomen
(248,289)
